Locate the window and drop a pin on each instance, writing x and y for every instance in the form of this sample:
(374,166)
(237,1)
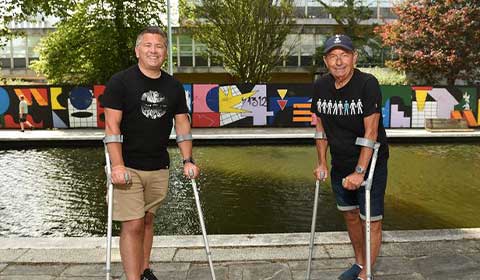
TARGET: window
(33,41)
(19,47)
(201,56)
(307,49)
(185,46)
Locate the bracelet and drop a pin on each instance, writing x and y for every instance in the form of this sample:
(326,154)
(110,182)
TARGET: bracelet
(188,160)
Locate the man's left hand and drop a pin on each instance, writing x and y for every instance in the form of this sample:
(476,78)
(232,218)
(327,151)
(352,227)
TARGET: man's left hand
(190,166)
(353,181)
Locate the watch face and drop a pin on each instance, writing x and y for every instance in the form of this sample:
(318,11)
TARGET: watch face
(359,169)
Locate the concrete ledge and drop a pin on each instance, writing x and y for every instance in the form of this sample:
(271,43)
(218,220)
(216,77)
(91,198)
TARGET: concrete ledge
(239,248)
(218,134)
(240,240)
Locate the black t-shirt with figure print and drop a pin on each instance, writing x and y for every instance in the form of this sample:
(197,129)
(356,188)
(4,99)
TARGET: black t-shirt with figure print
(342,111)
(148,108)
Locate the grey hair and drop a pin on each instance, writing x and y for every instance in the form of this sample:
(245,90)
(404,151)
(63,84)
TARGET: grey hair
(151,30)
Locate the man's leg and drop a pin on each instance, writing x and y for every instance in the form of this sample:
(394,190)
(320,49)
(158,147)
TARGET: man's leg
(21,126)
(355,232)
(375,243)
(131,247)
(147,240)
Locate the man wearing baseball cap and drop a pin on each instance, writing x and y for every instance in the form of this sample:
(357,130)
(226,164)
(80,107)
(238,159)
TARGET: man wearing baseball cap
(347,103)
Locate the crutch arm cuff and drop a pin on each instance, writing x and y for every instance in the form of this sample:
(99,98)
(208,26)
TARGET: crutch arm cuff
(320,135)
(184,137)
(365,142)
(118,138)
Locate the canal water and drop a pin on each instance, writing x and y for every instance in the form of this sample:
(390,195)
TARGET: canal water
(244,189)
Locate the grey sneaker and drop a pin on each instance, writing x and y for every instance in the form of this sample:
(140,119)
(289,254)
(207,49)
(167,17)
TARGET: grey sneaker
(148,275)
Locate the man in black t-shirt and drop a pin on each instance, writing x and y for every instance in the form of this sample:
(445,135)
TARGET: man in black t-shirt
(141,103)
(347,103)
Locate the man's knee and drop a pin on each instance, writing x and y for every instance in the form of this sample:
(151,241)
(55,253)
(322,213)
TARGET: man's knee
(376,225)
(149,217)
(133,227)
(352,215)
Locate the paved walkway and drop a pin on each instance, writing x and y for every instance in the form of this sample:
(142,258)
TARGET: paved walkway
(408,255)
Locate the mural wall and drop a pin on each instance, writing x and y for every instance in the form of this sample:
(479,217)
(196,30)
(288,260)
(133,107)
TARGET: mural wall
(240,105)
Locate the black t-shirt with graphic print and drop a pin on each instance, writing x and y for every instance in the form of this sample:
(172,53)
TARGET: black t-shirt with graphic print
(148,109)
(342,112)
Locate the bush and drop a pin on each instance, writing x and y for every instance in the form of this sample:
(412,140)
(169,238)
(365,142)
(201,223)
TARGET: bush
(387,76)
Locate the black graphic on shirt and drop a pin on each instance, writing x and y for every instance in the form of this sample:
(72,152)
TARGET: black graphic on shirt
(340,108)
(153,104)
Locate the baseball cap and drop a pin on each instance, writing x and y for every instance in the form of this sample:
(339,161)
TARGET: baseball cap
(338,41)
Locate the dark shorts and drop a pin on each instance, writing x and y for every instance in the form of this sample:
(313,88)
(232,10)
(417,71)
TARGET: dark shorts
(23,117)
(349,200)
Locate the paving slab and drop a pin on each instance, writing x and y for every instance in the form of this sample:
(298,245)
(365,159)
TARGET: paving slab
(91,270)
(169,266)
(395,266)
(30,277)
(65,256)
(324,274)
(202,272)
(10,255)
(162,254)
(251,271)
(413,276)
(339,251)
(249,254)
(453,263)
(32,269)
(322,264)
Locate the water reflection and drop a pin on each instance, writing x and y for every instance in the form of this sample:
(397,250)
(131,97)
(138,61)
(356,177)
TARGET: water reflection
(254,189)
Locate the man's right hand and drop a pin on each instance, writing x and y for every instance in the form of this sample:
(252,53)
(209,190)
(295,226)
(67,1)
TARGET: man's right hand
(120,175)
(321,173)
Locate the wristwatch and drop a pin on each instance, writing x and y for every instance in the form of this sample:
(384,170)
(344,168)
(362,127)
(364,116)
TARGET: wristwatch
(359,169)
(188,160)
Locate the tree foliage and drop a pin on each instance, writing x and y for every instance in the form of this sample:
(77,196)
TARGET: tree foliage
(349,14)
(247,35)
(93,39)
(435,40)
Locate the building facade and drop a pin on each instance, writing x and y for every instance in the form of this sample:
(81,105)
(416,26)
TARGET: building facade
(192,64)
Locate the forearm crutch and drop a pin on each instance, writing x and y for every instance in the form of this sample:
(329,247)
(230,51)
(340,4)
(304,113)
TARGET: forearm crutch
(368,186)
(312,231)
(108,172)
(202,224)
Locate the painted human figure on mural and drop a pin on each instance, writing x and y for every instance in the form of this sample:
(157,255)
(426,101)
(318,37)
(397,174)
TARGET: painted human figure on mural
(350,162)
(141,104)
(23,114)
(466,98)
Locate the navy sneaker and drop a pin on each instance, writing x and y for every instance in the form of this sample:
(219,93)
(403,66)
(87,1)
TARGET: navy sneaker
(351,273)
(148,275)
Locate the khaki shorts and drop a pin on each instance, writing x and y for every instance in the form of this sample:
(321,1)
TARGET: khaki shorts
(145,194)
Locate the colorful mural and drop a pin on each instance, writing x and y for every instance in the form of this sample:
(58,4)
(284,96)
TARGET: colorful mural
(239,105)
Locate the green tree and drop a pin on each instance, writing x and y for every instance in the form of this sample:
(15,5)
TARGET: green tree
(248,35)
(93,39)
(435,40)
(349,16)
